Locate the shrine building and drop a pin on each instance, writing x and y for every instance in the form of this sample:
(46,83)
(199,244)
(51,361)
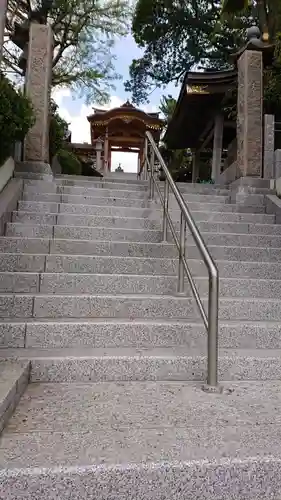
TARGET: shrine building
(120,129)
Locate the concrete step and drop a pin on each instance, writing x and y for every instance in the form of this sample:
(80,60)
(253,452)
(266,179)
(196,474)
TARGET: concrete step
(137,184)
(17,245)
(14,262)
(16,229)
(167,438)
(125,193)
(163,250)
(138,213)
(81,232)
(14,377)
(103,192)
(134,184)
(104,184)
(129,364)
(33,186)
(127,179)
(80,199)
(141,223)
(19,282)
(19,230)
(39,207)
(123,284)
(133,307)
(139,265)
(34,218)
(24,245)
(143,185)
(139,203)
(95,333)
(88,192)
(86,220)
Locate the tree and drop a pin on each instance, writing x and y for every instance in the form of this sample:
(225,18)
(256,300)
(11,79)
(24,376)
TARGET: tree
(84,33)
(57,131)
(267,13)
(179,161)
(177,36)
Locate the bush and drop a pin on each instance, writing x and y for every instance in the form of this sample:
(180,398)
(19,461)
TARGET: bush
(57,131)
(70,165)
(16,117)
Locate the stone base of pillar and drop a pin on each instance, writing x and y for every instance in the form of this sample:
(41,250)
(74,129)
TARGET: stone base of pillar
(34,170)
(250,191)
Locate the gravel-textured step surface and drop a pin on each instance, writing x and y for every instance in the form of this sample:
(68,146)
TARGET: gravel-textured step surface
(114,233)
(86,364)
(150,213)
(129,222)
(25,245)
(89,304)
(81,283)
(132,307)
(57,333)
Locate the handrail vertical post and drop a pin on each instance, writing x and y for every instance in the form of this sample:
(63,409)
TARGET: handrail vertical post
(213,307)
(181,255)
(151,188)
(165,210)
(145,158)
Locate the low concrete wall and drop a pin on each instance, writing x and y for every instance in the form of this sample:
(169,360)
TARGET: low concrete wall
(8,201)
(6,172)
(229,175)
(273,206)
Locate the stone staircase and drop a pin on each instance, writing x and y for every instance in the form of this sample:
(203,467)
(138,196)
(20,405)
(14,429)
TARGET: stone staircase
(114,408)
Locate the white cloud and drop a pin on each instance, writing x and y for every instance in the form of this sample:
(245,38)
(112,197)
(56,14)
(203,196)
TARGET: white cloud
(80,127)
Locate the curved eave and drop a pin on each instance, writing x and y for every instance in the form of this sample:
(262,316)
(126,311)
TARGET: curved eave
(120,112)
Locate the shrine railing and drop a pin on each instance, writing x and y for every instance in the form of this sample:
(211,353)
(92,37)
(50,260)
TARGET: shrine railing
(210,318)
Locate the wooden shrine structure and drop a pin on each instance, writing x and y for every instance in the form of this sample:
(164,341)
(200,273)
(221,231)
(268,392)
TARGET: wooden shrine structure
(199,122)
(123,129)
(119,129)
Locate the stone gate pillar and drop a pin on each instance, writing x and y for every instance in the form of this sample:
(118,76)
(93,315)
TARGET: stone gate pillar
(38,86)
(249,172)
(249,114)
(217,147)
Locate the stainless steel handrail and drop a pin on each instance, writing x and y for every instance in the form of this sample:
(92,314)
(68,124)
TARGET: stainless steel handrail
(211,319)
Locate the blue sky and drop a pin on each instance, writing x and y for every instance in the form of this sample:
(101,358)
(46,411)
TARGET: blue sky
(75,111)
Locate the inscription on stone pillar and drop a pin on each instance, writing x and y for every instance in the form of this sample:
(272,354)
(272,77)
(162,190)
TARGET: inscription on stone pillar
(249,114)
(38,85)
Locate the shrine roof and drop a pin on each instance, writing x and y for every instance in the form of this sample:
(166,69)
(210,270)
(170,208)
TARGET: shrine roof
(103,116)
(201,97)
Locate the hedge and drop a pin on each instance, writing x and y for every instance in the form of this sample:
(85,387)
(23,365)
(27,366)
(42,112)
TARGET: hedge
(16,117)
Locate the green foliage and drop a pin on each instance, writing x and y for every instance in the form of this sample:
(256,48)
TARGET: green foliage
(84,33)
(175,37)
(57,132)
(178,162)
(70,165)
(16,117)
